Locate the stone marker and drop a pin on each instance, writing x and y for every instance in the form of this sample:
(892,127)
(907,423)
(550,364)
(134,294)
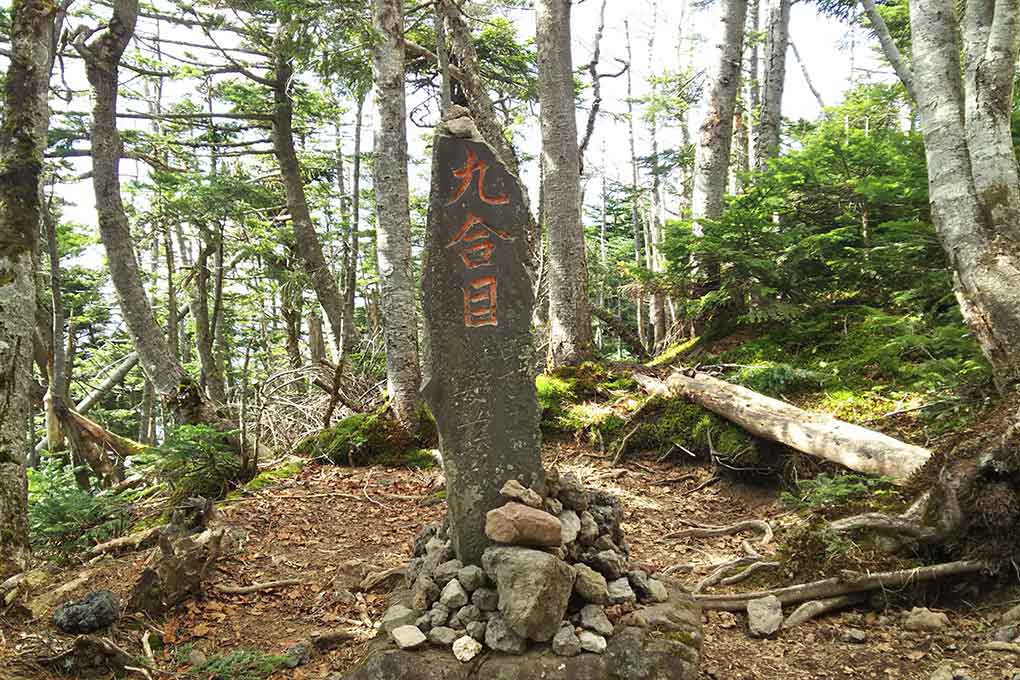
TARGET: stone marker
(477,304)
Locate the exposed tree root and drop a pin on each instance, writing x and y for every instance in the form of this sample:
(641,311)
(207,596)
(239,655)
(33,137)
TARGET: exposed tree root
(743,525)
(136,541)
(849,583)
(815,608)
(256,587)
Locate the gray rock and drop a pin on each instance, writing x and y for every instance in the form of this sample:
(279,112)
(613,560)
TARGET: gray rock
(590,585)
(424,622)
(620,591)
(297,654)
(1007,633)
(566,642)
(553,506)
(486,599)
(764,616)
(443,636)
(572,492)
(609,563)
(453,595)
(97,610)
(515,491)
(439,615)
(925,620)
(589,531)
(534,588)
(592,642)
(1011,616)
(604,542)
(396,616)
(657,591)
(500,637)
(446,572)
(466,648)
(408,637)
(476,629)
(469,613)
(571,524)
(471,577)
(593,617)
(646,588)
(424,593)
(854,636)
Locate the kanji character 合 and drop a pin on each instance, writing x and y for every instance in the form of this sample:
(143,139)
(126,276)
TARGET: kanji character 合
(476,237)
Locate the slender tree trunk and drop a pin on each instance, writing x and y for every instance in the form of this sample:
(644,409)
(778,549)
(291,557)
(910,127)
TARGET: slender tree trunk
(570,339)
(767,137)
(635,218)
(351,338)
(716,134)
(972,189)
(753,104)
(290,310)
(34,25)
(211,381)
(889,48)
(400,330)
(657,300)
(308,247)
(316,339)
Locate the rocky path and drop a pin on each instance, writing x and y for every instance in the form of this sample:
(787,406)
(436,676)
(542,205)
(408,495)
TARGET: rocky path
(328,528)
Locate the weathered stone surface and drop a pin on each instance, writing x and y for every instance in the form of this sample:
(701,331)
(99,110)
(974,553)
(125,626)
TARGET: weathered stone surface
(447,571)
(443,636)
(477,302)
(501,637)
(297,654)
(439,615)
(471,577)
(97,610)
(590,585)
(552,506)
(424,592)
(396,616)
(620,591)
(1011,615)
(408,637)
(453,596)
(534,588)
(517,524)
(486,599)
(593,617)
(589,529)
(609,563)
(592,642)
(476,629)
(924,619)
(466,648)
(764,616)
(647,588)
(566,642)
(515,491)
(572,492)
(571,524)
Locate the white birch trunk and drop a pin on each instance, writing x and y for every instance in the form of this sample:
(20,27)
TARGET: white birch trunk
(767,137)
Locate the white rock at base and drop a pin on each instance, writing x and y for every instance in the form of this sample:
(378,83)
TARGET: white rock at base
(466,648)
(924,619)
(408,637)
(764,616)
(592,642)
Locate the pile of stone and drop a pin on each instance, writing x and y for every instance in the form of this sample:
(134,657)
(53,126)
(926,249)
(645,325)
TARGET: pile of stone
(558,561)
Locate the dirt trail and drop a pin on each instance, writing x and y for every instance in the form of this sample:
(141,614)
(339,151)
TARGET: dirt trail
(308,526)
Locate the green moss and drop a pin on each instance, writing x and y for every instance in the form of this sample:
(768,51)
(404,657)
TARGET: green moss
(554,392)
(416,459)
(373,439)
(681,423)
(269,477)
(674,353)
(240,665)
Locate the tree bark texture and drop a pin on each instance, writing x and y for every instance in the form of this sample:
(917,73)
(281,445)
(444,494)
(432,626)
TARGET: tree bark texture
(715,136)
(635,218)
(22,143)
(307,242)
(400,330)
(570,334)
(972,174)
(889,48)
(770,120)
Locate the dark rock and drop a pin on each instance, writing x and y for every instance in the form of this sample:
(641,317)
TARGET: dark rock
(590,585)
(566,642)
(297,654)
(424,593)
(553,506)
(589,532)
(97,610)
(422,539)
(534,588)
(609,563)
(472,577)
(572,492)
(439,615)
(476,629)
(446,572)
(620,591)
(486,599)
(501,637)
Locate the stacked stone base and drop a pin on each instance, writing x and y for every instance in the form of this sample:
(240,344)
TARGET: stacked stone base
(655,642)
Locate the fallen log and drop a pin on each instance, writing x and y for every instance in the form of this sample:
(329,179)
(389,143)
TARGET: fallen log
(816,434)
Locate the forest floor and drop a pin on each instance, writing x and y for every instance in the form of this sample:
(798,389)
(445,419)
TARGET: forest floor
(328,526)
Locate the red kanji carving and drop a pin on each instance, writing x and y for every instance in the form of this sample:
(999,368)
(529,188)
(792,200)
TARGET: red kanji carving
(480,302)
(474,229)
(465,174)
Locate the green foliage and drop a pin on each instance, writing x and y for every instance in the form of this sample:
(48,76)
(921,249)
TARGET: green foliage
(372,439)
(194,460)
(824,491)
(243,664)
(668,423)
(65,519)
(553,393)
(778,378)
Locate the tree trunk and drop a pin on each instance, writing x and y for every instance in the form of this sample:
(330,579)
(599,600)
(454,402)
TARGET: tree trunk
(889,48)
(753,82)
(570,338)
(212,379)
(621,330)
(34,27)
(635,218)
(770,120)
(316,341)
(400,330)
(657,300)
(308,247)
(817,434)
(972,175)
(351,337)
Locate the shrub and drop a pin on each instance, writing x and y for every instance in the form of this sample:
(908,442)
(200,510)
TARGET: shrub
(194,460)
(243,664)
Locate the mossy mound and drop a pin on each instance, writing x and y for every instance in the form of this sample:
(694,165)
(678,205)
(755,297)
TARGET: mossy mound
(372,439)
